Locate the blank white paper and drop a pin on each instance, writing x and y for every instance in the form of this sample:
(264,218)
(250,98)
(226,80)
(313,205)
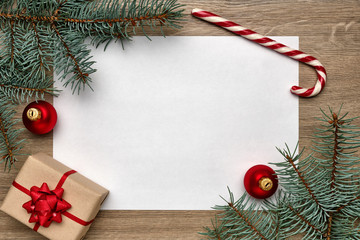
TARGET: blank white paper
(173,121)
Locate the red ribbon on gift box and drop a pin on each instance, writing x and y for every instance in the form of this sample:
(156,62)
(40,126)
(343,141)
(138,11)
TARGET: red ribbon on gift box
(48,205)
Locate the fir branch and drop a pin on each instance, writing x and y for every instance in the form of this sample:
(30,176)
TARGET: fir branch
(6,4)
(5,88)
(246,220)
(353,203)
(19,94)
(14,86)
(343,228)
(328,234)
(60,27)
(134,21)
(36,52)
(301,177)
(241,219)
(305,181)
(131,20)
(335,122)
(125,19)
(38,41)
(56,12)
(338,141)
(12,40)
(303,219)
(218,230)
(9,145)
(80,75)
(298,216)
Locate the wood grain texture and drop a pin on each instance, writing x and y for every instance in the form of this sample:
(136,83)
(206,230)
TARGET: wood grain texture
(328,30)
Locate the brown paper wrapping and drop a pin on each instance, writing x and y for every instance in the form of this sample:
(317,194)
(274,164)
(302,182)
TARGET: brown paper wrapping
(84,195)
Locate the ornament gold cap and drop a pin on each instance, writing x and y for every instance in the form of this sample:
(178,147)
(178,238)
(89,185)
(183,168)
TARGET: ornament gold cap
(266,183)
(33,114)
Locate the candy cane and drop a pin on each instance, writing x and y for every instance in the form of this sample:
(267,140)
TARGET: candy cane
(269,43)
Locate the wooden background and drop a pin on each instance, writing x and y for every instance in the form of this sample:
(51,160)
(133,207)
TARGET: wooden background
(328,30)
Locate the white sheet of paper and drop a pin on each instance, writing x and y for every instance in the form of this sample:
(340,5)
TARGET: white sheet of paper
(173,121)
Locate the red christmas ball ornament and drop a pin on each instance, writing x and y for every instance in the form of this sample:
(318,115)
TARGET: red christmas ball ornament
(39,117)
(260,181)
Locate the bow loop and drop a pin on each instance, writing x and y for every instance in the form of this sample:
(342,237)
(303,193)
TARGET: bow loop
(58,192)
(33,218)
(35,194)
(62,206)
(44,188)
(44,219)
(57,217)
(29,206)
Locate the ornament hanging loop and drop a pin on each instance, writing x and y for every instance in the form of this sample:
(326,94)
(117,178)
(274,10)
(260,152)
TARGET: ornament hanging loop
(33,114)
(266,183)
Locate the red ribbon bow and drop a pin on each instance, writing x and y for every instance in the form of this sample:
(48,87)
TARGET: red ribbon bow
(46,206)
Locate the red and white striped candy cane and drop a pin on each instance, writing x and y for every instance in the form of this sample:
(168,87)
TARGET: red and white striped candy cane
(269,43)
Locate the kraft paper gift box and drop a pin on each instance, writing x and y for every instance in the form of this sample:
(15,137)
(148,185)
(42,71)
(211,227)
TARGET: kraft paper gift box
(53,199)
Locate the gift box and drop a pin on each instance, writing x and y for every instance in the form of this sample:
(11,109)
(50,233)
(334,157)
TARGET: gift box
(53,199)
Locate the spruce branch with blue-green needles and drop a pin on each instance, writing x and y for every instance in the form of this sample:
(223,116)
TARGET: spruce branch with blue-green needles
(38,37)
(9,145)
(44,34)
(319,196)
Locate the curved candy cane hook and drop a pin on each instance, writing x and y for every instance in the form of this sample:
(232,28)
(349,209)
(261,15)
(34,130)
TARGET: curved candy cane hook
(269,43)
